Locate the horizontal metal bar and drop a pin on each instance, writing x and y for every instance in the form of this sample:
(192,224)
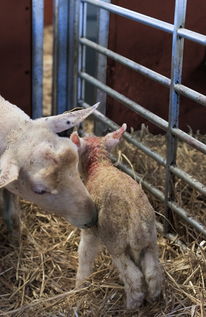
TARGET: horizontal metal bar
(182,135)
(127,62)
(192,141)
(159,78)
(188,179)
(163,124)
(173,237)
(175,170)
(163,80)
(144,19)
(157,193)
(192,36)
(132,15)
(145,113)
(189,140)
(190,220)
(191,94)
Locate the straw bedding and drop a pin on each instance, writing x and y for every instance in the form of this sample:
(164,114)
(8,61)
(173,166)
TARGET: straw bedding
(37,268)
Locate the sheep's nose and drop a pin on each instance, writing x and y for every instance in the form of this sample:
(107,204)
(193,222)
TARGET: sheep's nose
(92,223)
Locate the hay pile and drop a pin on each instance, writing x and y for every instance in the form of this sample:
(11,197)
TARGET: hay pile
(37,276)
(37,273)
(190,160)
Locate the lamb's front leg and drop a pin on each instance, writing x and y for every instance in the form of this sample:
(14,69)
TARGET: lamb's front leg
(88,247)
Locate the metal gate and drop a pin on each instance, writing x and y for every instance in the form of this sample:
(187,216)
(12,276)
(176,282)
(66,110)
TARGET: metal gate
(70,78)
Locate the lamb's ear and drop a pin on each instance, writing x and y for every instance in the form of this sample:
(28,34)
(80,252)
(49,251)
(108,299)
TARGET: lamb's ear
(9,170)
(67,120)
(113,138)
(79,142)
(74,137)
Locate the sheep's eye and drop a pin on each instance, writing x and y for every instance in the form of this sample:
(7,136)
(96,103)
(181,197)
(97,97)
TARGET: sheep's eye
(40,192)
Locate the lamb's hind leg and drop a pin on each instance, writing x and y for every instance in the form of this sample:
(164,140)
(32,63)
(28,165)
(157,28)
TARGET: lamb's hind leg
(152,272)
(132,278)
(88,247)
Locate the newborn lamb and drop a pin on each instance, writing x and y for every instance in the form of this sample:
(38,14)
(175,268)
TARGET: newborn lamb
(126,224)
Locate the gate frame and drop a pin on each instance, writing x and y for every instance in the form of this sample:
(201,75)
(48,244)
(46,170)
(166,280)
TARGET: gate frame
(73,20)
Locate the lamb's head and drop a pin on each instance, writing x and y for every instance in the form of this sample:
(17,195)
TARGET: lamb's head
(91,143)
(43,168)
(93,149)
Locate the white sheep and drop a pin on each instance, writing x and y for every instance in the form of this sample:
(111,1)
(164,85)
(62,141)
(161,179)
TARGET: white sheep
(126,222)
(39,166)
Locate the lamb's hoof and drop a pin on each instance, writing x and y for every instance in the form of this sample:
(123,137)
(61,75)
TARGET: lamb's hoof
(152,297)
(82,284)
(135,300)
(154,289)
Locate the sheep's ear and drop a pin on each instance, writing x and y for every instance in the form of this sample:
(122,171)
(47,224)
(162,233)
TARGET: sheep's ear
(9,170)
(67,120)
(113,138)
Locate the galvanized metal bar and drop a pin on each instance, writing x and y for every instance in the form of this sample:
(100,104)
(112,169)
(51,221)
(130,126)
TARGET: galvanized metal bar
(37,57)
(192,36)
(60,57)
(173,237)
(176,74)
(181,212)
(73,52)
(146,113)
(187,218)
(158,158)
(190,180)
(163,124)
(101,73)
(72,65)
(82,48)
(135,16)
(163,80)
(189,140)
(191,94)
(155,23)
(127,62)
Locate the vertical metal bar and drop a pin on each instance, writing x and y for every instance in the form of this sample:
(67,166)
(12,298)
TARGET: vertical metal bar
(73,29)
(37,57)
(174,104)
(76,57)
(82,49)
(103,34)
(60,55)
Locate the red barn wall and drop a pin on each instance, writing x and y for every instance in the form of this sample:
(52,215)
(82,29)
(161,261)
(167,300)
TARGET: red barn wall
(152,48)
(15,52)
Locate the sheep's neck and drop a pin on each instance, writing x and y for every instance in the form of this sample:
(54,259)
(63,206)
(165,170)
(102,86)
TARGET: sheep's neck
(95,158)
